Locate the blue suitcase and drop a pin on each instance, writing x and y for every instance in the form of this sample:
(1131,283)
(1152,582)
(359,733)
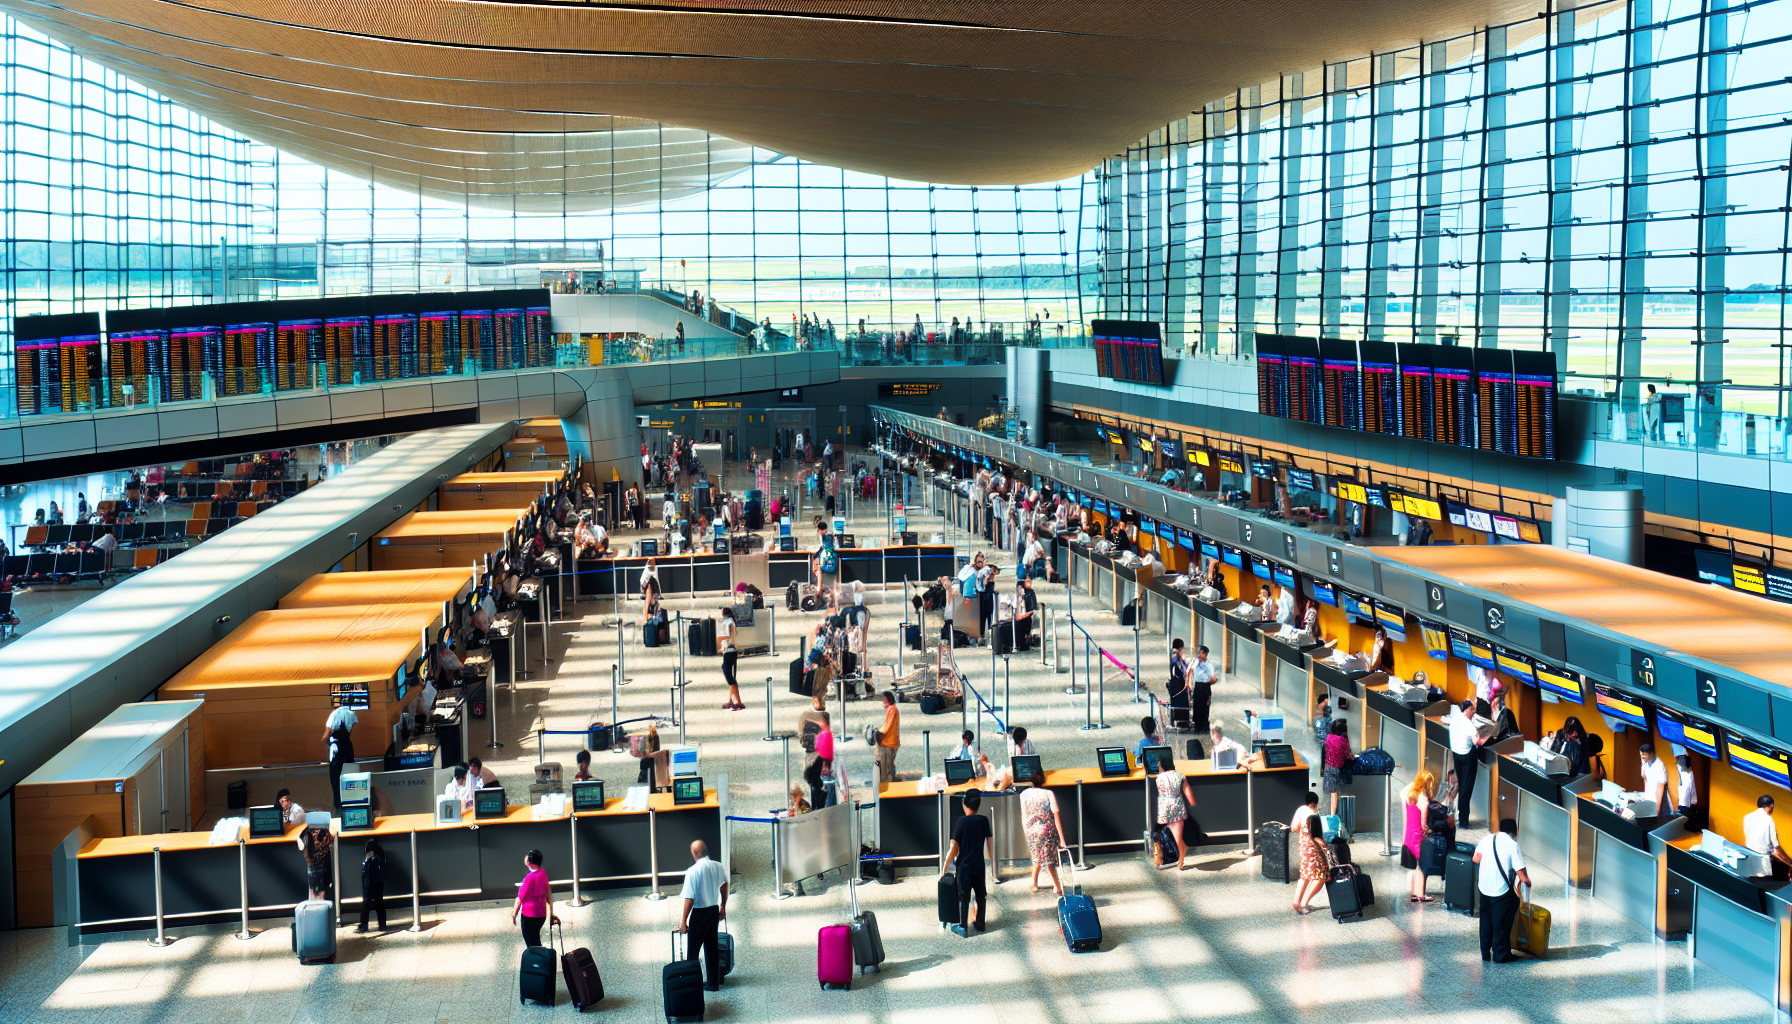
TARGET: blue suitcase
(1077,920)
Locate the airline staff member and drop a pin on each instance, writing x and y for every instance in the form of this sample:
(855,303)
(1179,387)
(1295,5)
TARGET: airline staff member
(1201,677)
(1465,743)
(337,730)
(1655,778)
(461,787)
(1760,834)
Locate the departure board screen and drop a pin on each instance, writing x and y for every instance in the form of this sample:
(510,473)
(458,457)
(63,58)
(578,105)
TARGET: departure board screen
(394,346)
(1128,350)
(345,338)
(1416,393)
(479,335)
(38,368)
(1534,388)
(1381,387)
(193,353)
(539,340)
(1306,392)
(136,358)
(1272,376)
(297,343)
(438,341)
(247,349)
(83,387)
(1341,380)
(510,330)
(1495,402)
(1453,394)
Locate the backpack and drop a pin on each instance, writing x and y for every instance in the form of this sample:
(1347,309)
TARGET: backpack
(808,739)
(1438,821)
(1374,761)
(968,587)
(934,598)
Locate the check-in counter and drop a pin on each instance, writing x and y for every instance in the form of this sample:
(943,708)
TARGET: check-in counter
(1545,806)
(1285,675)
(1243,652)
(1126,586)
(1101,815)
(471,492)
(435,540)
(1102,581)
(1622,864)
(1393,726)
(1736,924)
(1439,761)
(1208,626)
(109,884)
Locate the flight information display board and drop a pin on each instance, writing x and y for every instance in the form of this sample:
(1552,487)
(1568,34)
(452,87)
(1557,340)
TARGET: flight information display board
(193,353)
(394,346)
(1453,393)
(1495,403)
(248,348)
(1306,390)
(1417,406)
(1759,760)
(1128,350)
(479,335)
(83,383)
(345,337)
(1272,376)
(1341,379)
(1381,387)
(37,366)
(296,344)
(539,339)
(438,341)
(136,359)
(1534,391)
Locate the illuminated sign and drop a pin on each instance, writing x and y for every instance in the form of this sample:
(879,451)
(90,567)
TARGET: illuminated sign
(907,388)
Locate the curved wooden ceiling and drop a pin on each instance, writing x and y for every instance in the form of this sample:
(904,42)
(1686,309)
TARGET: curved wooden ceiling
(558,102)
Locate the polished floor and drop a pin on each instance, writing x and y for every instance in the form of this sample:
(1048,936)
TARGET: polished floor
(1215,942)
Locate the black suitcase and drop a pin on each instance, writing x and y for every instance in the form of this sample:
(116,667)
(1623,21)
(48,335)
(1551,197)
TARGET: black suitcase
(948,898)
(1163,846)
(693,637)
(650,635)
(1129,615)
(681,986)
(755,516)
(1272,839)
(911,635)
(1459,878)
(539,975)
(790,596)
(1434,853)
(849,663)
(1349,891)
(1004,639)
(960,638)
(801,683)
(1196,752)
(709,636)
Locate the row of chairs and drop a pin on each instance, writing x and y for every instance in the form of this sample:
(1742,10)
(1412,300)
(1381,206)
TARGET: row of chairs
(71,566)
(86,533)
(240,509)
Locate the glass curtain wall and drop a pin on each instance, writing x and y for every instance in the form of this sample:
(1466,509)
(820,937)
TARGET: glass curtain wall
(1608,183)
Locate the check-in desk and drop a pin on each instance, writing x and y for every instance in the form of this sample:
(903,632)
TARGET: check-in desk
(1242,656)
(109,884)
(1169,612)
(470,492)
(1530,791)
(1284,673)
(678,575)
(1130,582)
(1102,582)
(1612,855)
(1439,761)
(435,540)
(1393,725)
(914,563)
(1100,815)
(1740,925)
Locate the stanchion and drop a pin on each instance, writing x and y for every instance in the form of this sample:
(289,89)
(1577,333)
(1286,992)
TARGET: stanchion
(572,826)
(1082,863)
(926,752)
(681,715)
(992,674)
(1088,688)
(242,876)
(522,632)
(773,631)
(491,715)
(416,890)
(1007,693)
(161,938)
(769,736)
(786,749)
(1137,660)
(653,852)
(615,695)
(1387,815)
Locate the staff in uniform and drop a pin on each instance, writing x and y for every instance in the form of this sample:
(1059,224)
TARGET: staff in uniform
(1201,677)
(337,730)
(705,898)
(1760,834)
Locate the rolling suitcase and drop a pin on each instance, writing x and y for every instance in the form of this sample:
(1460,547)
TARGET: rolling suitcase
(833,964)
(537,979)
(867,941)
(1530,930)
(681,986)
(1347,813)
(948,899)
(912,635)
(1078,921)
(1349,891)
(1459,878)
(724,951)
(1434,853)
(650,635)
(693,638)
(709,636)
(1272,839)
(583,983)
(800,682)
(314,931)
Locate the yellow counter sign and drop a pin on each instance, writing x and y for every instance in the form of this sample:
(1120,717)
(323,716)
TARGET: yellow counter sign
(1352,492)
(1749,578)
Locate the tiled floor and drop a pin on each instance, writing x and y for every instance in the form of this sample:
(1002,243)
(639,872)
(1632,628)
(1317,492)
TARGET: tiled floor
(1216,942)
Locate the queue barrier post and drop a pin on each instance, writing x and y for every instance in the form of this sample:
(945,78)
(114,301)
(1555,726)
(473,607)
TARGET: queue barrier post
(681,718)
(572,827)
(161,938)
(926,752)
(491,714)
(416,889)
(615,696)
(769,734)
(242,875)
(653,852)
(1082,862)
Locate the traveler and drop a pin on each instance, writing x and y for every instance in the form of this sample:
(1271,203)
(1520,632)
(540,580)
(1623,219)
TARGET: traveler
(1018,744)
(290,811)
(316,843)
(1315,862)
(725,643)
(1202,674)
(889,739)
(1148,726)
(1760,834)
(1465,751)
(1045,830)
(705,898)
(1686,790)
(583,773)
(1499,873)
(1380,652)
(1417,800)
(373,884)
(1174,798)
(809,726)
(461,788)
(649,747)
(534,900)
(1336,761)
(1177,687)
(971,837)
(1299,821)
(1216,737)
(338,728)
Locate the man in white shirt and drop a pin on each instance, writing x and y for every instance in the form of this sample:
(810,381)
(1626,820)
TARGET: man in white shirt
(705,898)
(1655,777)
(1465,751)
(1760,834)
(1220,742)
(1285,606)
(1034,557)
(338,730)
(1500,871)
(1686,790)
(461,787)
(290,811)
(1483,680)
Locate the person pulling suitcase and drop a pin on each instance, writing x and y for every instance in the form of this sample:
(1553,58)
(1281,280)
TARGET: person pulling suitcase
(705,897)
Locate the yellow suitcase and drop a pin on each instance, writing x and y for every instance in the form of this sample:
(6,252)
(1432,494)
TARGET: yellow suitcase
(1530,930)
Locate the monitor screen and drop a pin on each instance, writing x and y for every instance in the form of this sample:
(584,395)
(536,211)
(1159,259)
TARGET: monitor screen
(1458,515)
(960,770)
(488,803)
(650,547)
(1619,705)
(1325,593)
(1563,682)
(1529,531)
(1148,525)
(1506,526)
(1472,648)
(1514,664)
(1763,762)
(1112,761)
(1231,556)
(1024,766)
(1278,755)
(1185,539)
(1301,480)
(1436,636)
(356,819)
(1713,566)
(687,791)
(1391,619)
(266,822)
(1358,607)
(1210,550)
(1283,575)
(682,761)
(1686,730)
(1260,567)
(1475,519)
(1158,759)
(588,795)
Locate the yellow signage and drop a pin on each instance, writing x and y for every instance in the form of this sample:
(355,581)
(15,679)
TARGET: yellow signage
(1199,458)
(1414,505)
(1146,446)
(1231,465)
(1749,577)
(715,405)
(1352,492)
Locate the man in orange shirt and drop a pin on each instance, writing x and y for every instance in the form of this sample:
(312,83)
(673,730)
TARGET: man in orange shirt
(889,739)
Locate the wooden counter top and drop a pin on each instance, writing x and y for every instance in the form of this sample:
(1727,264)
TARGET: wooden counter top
(389,586)
(308,645)
(384,828)
(431,525)
(532,479)
(1092,775)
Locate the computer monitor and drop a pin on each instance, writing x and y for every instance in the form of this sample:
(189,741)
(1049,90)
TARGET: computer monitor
(357,819)
(488,803)
(266,822)
(787,543)
(356,788)
(687,790)
(846,540)
(681,761)
(1158,759)
(650,547)
(960,770)
(1278,755)
(1112,761)
(1225,759)
(1024,766)
(588,795)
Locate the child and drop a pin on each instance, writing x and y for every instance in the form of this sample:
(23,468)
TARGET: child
(373,884)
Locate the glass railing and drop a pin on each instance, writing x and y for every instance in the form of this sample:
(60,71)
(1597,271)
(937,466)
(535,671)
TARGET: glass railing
(1689,428)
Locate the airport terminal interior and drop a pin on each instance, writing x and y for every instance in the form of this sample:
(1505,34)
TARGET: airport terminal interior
(869,512)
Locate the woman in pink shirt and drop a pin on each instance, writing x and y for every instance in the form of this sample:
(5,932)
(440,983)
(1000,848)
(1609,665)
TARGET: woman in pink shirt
(534,898)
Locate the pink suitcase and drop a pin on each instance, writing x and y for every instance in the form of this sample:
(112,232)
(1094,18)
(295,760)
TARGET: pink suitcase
(834,963)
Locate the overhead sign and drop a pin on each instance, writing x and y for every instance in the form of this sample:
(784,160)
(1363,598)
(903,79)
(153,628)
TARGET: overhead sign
(1644,665)
(907,388)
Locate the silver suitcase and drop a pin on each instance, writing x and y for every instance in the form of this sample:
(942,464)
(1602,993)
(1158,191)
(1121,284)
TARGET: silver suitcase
(314,930)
